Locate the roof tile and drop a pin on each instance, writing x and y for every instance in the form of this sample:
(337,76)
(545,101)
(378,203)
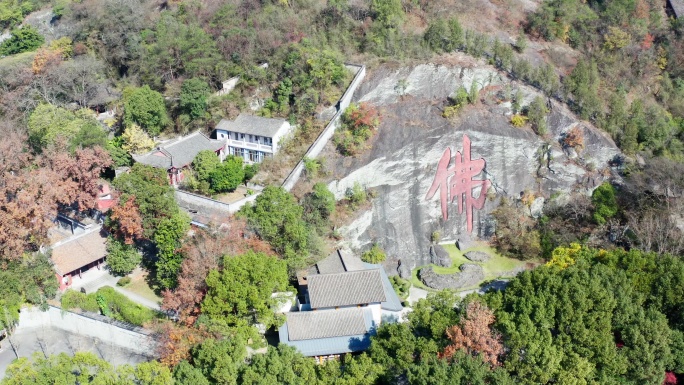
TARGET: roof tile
(345,289)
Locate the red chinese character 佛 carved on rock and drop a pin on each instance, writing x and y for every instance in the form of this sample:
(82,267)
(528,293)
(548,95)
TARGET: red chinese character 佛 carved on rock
(457,183)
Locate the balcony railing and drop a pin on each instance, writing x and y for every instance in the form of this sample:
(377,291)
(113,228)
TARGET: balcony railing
(250,145)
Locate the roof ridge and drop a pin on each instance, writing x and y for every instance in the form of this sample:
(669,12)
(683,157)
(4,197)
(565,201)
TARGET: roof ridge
(183,138)
(345,272)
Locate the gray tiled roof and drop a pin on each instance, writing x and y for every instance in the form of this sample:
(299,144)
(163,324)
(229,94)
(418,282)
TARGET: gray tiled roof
(178,152)
(250,124)
(331,345)
(308,325)
(344,289)
(392,303)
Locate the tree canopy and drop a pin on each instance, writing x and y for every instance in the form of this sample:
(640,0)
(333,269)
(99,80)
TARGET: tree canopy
(277,218)
(242,291)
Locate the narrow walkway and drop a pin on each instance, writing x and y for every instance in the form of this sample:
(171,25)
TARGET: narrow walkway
(137,298)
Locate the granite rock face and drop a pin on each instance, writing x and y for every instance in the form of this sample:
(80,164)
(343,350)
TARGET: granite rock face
(470,275)
(439,256)
(477,256)
(403,159)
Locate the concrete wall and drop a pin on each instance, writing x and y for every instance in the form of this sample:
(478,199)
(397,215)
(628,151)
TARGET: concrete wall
(92,325)
(190,201)
(329,130)
(198,202)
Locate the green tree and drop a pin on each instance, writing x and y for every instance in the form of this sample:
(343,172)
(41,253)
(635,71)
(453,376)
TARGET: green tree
(89,135)
(193,97)
(167,238)
(228,175)
(23,39)
(605,204)
(583,82)
(186,374)
(389,13)
(121,258)
(242,292)
(282,365)
(30,279)
(204,164)
(120,157)
(278,219)
(47,122)
(145,107)
(220,360)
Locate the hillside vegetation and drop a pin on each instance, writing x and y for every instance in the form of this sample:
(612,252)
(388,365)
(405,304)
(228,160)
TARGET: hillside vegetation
(592,314)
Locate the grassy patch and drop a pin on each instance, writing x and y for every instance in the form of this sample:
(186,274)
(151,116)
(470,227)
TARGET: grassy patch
(140,287)
(111,303)
(494,268)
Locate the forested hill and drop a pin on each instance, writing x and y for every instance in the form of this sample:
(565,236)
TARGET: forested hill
(85,84)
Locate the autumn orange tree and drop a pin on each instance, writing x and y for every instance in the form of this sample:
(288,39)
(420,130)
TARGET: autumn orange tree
(32,187)
(125,221)
(475,335)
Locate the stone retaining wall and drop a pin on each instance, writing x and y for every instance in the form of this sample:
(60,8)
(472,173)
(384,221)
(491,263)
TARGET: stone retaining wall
(113,332)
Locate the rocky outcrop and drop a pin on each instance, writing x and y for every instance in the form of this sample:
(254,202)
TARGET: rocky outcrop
(477,256)
(401,164)
(470,275)
(439,256)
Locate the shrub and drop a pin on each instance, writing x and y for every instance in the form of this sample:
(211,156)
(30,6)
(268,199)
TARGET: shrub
(574,138)
(356,195)
(22,40)
(123,281)
(359,122)
(605,204)
(110,303)
(401,286)
(374,255)
(518,120)
(312,167)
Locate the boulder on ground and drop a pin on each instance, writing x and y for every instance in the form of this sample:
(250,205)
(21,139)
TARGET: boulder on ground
(477,256)
(464,243)
(470,275)
(439,256)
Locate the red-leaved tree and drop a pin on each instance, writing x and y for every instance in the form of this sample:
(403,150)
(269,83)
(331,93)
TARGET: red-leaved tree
(474,335)
(32,187)
(126,221)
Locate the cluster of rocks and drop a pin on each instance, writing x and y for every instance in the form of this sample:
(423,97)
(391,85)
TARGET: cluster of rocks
(470,275)
(439,256)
